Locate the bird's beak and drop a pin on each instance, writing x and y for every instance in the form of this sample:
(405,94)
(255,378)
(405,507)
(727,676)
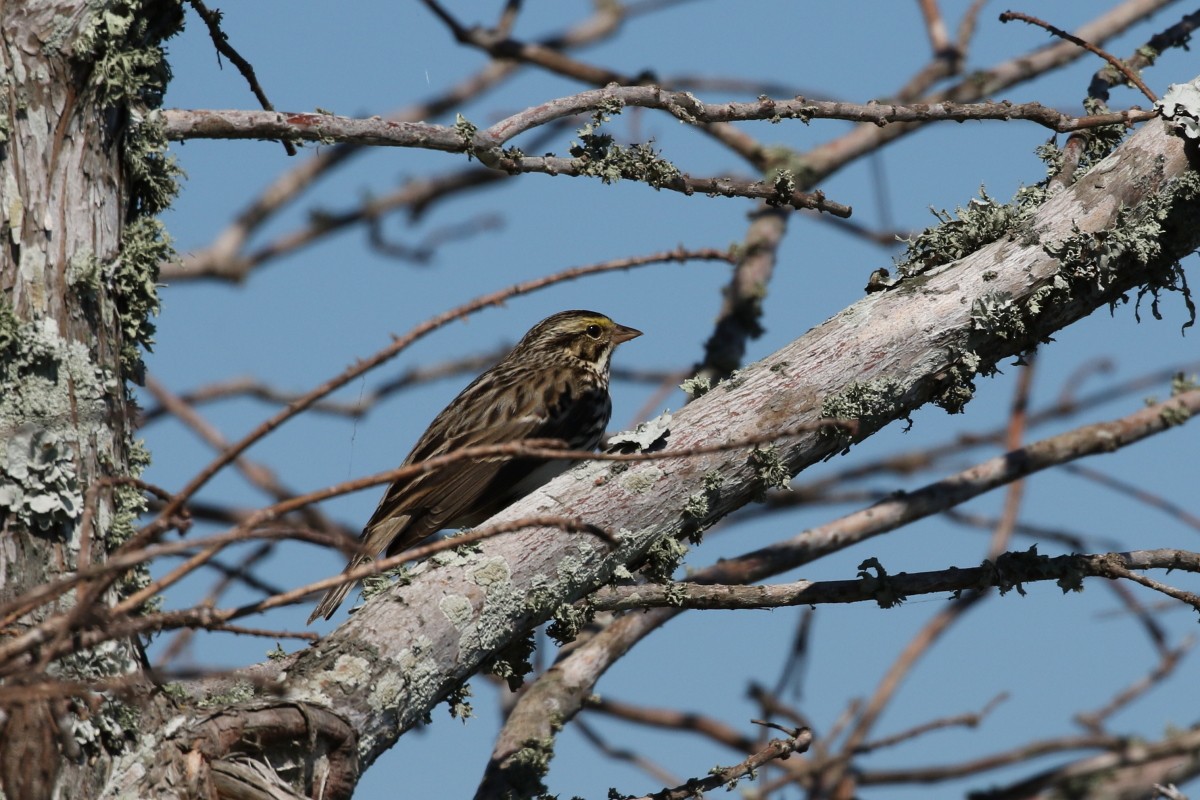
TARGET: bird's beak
(624,334)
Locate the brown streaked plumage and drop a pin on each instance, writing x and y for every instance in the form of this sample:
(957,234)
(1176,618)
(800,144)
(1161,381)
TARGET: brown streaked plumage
(552,385)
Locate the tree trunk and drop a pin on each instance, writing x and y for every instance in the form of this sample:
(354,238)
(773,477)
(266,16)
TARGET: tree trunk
(80,179)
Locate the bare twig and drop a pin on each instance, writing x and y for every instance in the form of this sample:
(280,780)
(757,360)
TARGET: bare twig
(1117,63)
(1093,721)
(221,41)
(1008,572)
(729,776)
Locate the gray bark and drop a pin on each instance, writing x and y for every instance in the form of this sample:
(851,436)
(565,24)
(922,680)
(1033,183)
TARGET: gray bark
(74,296)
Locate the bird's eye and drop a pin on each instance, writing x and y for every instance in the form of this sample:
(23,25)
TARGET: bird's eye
(593,331)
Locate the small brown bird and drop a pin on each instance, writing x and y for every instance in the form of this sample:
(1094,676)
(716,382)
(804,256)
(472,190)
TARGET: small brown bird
(553,385)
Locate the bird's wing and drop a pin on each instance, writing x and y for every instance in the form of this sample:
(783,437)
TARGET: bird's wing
(417,507)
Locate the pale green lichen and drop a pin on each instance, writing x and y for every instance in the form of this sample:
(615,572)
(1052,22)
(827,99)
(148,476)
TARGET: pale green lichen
(133,278)
(491,571)
(466,130)
(958,385)
(1177,414)
(569,619)
(649,435)
(956,235)
(114,724)
(873,403)
(696,505)
(696,386)
(238,692)
(735,379)
(998,314)
(1098,143)
(785,185)
(601,157)
(458,703)
(771,469)
(1136,234)
(128,70)
(417,675)
(1181,383)
(457,609)
(700,504)
(85,273)
(149,164)
(59,403)
(388,691)
(122,45)
(381,582)
(513,662)
(641,481)
(525,769)
(663,558)
(1181,106)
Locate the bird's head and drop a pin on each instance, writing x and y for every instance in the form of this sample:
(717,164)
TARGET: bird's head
(587,336)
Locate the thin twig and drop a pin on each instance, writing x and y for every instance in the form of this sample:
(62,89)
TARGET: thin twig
(1117,63)
(221,41)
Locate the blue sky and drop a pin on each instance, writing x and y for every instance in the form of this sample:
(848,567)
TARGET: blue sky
(304,318)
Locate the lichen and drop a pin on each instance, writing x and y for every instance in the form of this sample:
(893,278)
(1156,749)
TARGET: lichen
(128,504)
(458,703)
(133,279)
(696,505)
(649,435)
(956,235)
(150,167)
(958,384)
(601,157)
(699,505)
(61,401)
(735,379)
(381,582)
(771,469)
(457,608)
(513,662)
(490,572)
(1095,258)
(998,314)
(1180,104)
(114,724)
(127,70)
(873,403)
(466,130)
(641,481)
(525,769)
(569,619)
(696,386)
(879,584)
(663,558)
(238,692)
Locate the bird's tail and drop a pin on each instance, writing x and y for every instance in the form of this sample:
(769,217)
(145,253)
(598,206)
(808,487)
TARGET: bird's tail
(334,597)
